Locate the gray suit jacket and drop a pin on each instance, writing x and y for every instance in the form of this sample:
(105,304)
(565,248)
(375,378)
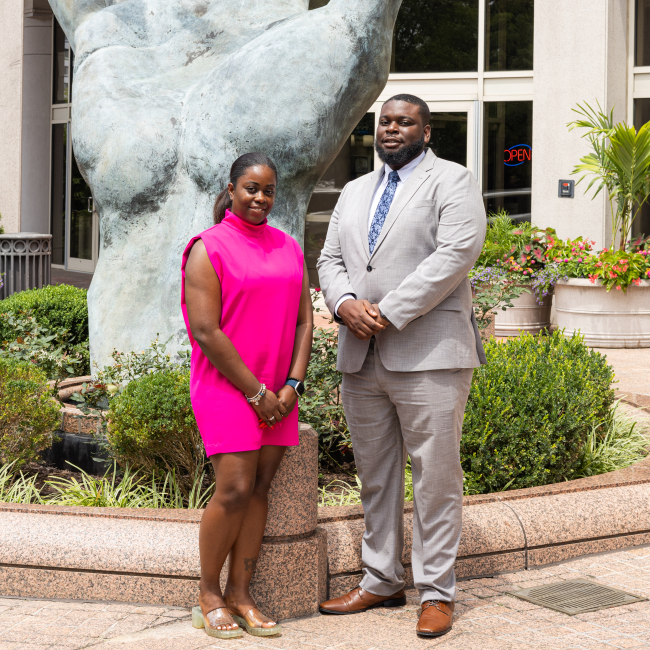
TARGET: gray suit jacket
(417,273)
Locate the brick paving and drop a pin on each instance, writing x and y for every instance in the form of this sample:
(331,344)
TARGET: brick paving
(485,618)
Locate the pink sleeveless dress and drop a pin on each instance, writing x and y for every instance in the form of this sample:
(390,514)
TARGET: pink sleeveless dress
(261,273)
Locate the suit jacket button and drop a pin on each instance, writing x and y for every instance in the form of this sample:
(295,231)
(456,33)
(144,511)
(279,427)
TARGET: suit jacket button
(368,268)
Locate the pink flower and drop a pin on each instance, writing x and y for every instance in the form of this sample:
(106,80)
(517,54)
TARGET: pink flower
(618,288)
(637,281)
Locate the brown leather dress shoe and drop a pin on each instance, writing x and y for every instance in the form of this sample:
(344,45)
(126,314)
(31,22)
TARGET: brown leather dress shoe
(435,619)
(359,600)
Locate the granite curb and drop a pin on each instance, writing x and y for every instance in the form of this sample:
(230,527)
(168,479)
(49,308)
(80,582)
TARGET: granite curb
(515,535)
(133,555)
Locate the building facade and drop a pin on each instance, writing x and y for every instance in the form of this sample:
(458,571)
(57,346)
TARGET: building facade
(501,78)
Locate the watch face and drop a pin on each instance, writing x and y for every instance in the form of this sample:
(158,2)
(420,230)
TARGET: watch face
(300,388)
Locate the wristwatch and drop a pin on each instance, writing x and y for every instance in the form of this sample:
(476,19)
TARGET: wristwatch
(297,385)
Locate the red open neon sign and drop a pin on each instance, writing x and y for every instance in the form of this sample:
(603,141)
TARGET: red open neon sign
(517,155)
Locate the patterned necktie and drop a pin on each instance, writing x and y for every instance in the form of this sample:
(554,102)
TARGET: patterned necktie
(382,210)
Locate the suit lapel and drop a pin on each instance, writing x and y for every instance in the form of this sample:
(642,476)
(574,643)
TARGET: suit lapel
(365,200)
(412,185)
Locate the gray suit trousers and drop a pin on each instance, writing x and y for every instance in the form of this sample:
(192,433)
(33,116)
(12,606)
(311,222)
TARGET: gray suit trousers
(392,414)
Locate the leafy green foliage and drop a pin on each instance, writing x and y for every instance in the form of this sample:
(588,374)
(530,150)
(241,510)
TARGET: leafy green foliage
(17,489)
(51,352)
(56,309)
(619,164)
(28,412)
(613,269)
(530,411)
(615,444)
(128,490)
(489,296)
(152,427)
(127,366)
(514,254)
(115,489)
(517,248)
(321,405)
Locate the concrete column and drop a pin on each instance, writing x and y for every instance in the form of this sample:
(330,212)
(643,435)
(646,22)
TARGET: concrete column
(11,81)
(37,102)
(580,55)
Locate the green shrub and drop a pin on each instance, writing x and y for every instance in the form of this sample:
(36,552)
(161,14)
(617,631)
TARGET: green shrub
(151,427)
(321,405)
(55,308)
(28,412)
(61,311)
(50,352)
(531,410)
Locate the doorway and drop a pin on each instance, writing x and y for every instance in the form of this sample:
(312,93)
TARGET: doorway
(75,225)
(455,133)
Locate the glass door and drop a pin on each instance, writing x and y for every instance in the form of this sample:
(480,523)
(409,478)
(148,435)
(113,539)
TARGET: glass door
(82,231)
(454,132)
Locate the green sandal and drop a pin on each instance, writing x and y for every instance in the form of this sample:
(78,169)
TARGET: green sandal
(198,621)
(252,623)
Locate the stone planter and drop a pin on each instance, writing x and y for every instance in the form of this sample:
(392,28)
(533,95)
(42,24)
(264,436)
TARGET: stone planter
(526,315)
(607,319)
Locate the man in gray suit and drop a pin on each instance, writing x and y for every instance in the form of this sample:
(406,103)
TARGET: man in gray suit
(394,273)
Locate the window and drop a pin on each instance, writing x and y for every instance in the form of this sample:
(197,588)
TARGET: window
(59,165)
(81,215)
(507,157)
(355,159)
(509,35)
(63,61)
(449,136)
(642,45)
(641,225)
(436,36)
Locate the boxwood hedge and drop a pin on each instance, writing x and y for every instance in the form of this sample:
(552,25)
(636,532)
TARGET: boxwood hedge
(54,307)
(530,410)
(151,426)
(28,412)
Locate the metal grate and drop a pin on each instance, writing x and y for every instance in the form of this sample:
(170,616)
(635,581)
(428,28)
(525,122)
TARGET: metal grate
(576,596)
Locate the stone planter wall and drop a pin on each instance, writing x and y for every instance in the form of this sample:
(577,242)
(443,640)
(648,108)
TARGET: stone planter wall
(607,319)
(152,556)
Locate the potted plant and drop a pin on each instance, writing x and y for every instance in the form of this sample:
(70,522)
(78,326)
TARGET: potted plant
(606,294)
(515,254)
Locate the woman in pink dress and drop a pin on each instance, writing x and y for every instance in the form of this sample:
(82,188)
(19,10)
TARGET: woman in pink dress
(248,313)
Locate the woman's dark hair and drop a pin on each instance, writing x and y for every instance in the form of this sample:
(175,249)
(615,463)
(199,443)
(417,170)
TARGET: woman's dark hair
(237,170)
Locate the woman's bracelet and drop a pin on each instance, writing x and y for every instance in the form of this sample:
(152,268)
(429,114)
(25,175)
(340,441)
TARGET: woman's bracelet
(256,398)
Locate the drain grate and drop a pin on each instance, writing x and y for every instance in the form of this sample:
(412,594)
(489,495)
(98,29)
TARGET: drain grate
(576,596)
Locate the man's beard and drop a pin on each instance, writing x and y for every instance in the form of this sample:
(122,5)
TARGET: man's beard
(402,156)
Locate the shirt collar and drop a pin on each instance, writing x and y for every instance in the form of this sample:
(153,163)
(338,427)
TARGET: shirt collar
(407,170)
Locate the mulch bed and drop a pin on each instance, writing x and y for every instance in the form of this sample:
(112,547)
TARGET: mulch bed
(44,472)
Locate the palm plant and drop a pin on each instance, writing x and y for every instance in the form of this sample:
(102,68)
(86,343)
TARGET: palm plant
(620,164)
